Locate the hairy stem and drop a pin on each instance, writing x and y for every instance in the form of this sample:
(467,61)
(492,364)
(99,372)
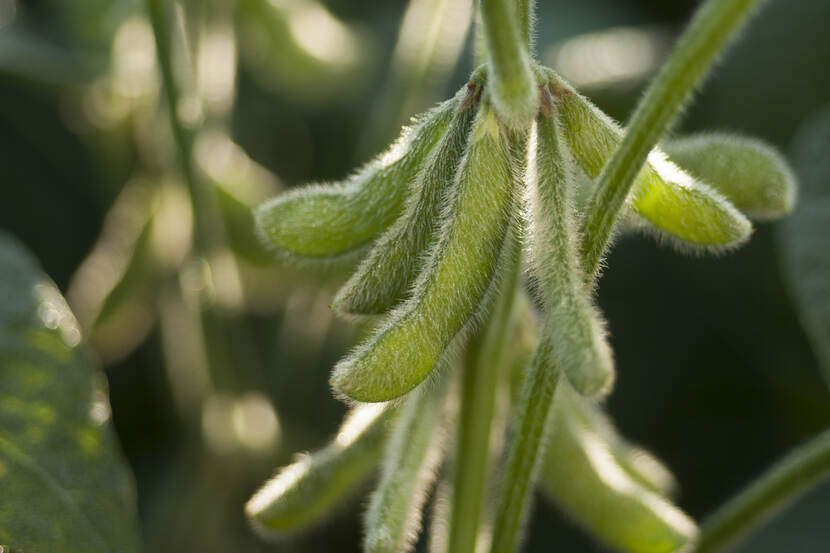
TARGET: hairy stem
(783,483)
(525,449)
(482,366)
(554,263)
(711,29)
(513,87)
(524,11)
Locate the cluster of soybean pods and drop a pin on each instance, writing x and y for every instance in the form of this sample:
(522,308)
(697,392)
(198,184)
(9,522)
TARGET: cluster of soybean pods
(436,227)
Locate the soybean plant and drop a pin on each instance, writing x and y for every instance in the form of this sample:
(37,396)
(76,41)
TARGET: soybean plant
(475,243)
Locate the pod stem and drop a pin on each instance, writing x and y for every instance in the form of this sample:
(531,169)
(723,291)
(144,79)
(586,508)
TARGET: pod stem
(482,366)
(525,17)
(513,87)
(710,31)
(526,447)
(799,471)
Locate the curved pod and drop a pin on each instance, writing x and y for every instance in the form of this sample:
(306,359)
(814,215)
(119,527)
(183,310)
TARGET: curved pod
(666,198)
(329,221)
(581,474)
(753,175)
(578,338)
(304,492)
(455,278)
(386,275)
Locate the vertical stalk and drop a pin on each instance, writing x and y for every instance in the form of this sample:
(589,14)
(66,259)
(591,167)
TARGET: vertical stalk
(482,365)
(796,473)
(525,451)
(219,331)
(512,84)
(711,29)
(208,228)
(525,17)
(554,260)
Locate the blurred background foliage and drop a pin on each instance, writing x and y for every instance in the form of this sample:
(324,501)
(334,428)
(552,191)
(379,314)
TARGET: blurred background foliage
(218,359)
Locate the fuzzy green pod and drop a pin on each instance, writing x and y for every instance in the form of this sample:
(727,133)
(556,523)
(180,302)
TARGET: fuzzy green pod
(579,343)
(666,198)
(386,275)
(752,174)
(571,340)
(303,493)
(410,467)
(581,474)
(455,278)
(640,464)
(327,222)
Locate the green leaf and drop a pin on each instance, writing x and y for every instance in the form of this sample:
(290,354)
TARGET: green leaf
(752,175)
(65,486)
(302,49)
(805,250)
(461,268)
(582,475)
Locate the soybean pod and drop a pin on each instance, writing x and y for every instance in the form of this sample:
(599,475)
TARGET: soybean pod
(640,464)
(571,341)
(337,221)
(581,474)
(386,275)
(304,492)
(666,198)
(412,456)
(453,282)
(753,175)
(578,338)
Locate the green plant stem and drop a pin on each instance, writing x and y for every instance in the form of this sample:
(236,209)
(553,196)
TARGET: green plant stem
(482,368)
(525,453)
(795,474)
(711,29)
(524,11)
(208,231)
(513,87)
(548,180)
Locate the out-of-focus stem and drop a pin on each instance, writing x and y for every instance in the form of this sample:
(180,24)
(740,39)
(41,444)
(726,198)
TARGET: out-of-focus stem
(795,474)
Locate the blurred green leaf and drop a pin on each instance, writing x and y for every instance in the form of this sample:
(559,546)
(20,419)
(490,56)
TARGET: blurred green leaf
(804,236)
(300,48)
(241,184)
(111,291)
(64,484)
